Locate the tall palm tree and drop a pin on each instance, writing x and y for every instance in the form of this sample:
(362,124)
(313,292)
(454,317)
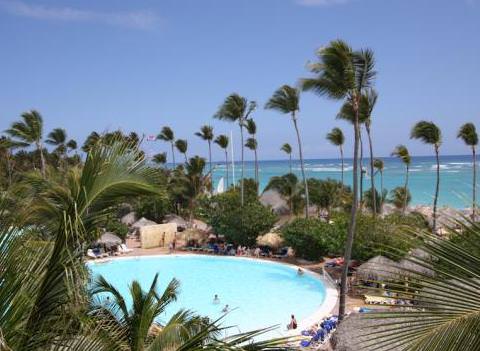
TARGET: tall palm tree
(206,133)
(252,143)
(167,135)
(287,100)
(287,148)
(336,137)
(429,133)
(222,140)
(342,73)
(30,131)
(236,108)
(160,158)
(379,166)
(182,147)
(468,134)
(402,153)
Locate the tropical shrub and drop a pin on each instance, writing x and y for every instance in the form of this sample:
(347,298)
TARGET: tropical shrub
(314,238)
(240,225)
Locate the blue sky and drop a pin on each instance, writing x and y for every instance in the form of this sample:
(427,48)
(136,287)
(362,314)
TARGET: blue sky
(138,65)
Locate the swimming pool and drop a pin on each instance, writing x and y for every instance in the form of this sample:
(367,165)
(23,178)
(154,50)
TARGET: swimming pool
(259,293)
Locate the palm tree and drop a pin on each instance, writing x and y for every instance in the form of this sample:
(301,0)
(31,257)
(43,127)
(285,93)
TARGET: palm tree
(344,74)
(222,140)
(400,197)
(379,166)
(7,145)
(287,100)
(71,145)
(252,143)
(167,135)
(206,133)
(468,134)
(58,138)
(197,181)
(336,137)
(288,187)
(401,152)
(429,133)
(182,147)
(160,159)
(236,108)
(371,99)
(287,148)
(92,140)
(30,131)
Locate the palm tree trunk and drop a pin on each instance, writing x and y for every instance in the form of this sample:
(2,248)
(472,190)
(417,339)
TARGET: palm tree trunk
(256,168)
(186,158)
(474,194)
(437,188)
(173,154)
(290,162)
(372,178)
(243,163)
(210,157)
(353,219)
(307,199)
(361,167)
(341,156)
(9,167)
(226,167)
(42,158)
(381,184)
(405,200)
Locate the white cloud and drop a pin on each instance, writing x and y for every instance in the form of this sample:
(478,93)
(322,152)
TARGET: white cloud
(321,2)
(133,19)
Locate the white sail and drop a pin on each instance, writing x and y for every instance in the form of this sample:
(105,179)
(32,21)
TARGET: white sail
(220,186)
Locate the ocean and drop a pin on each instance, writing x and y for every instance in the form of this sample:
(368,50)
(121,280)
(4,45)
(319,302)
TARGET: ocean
(455,176)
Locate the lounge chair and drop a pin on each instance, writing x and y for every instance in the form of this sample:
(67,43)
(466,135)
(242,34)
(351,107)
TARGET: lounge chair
(92,254)
(123,248)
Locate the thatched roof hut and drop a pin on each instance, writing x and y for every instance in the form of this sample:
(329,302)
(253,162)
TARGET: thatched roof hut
(142,222)
(181,223)
(272,198)
(378,268)
(416,262)
(352,334)
(273,240)
(129,218)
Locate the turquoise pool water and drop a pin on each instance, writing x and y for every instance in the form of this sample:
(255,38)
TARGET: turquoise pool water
(260,293)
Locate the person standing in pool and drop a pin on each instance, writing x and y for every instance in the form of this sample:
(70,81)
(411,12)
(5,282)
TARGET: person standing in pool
(292,324)
(216,300)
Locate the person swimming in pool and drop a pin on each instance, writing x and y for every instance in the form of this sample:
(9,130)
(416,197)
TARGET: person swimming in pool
(300,271)
(216,300)
(292,324)
(225,309)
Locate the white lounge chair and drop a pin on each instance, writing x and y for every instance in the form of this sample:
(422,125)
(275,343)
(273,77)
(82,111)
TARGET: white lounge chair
(123,248)
(91,254)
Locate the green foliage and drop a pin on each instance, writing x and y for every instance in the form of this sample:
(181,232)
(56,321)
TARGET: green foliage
(328,194)
(240,225)
(427,132)
(153,207)
(314,238)
(117,227)
(399,197)
(287,148)
(290,189)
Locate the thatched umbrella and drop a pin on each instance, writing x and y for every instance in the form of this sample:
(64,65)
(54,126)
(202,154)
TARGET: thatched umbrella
(109,239)
(273,240)
(378,268)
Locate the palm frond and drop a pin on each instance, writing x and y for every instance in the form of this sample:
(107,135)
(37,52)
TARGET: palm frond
(285,100)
